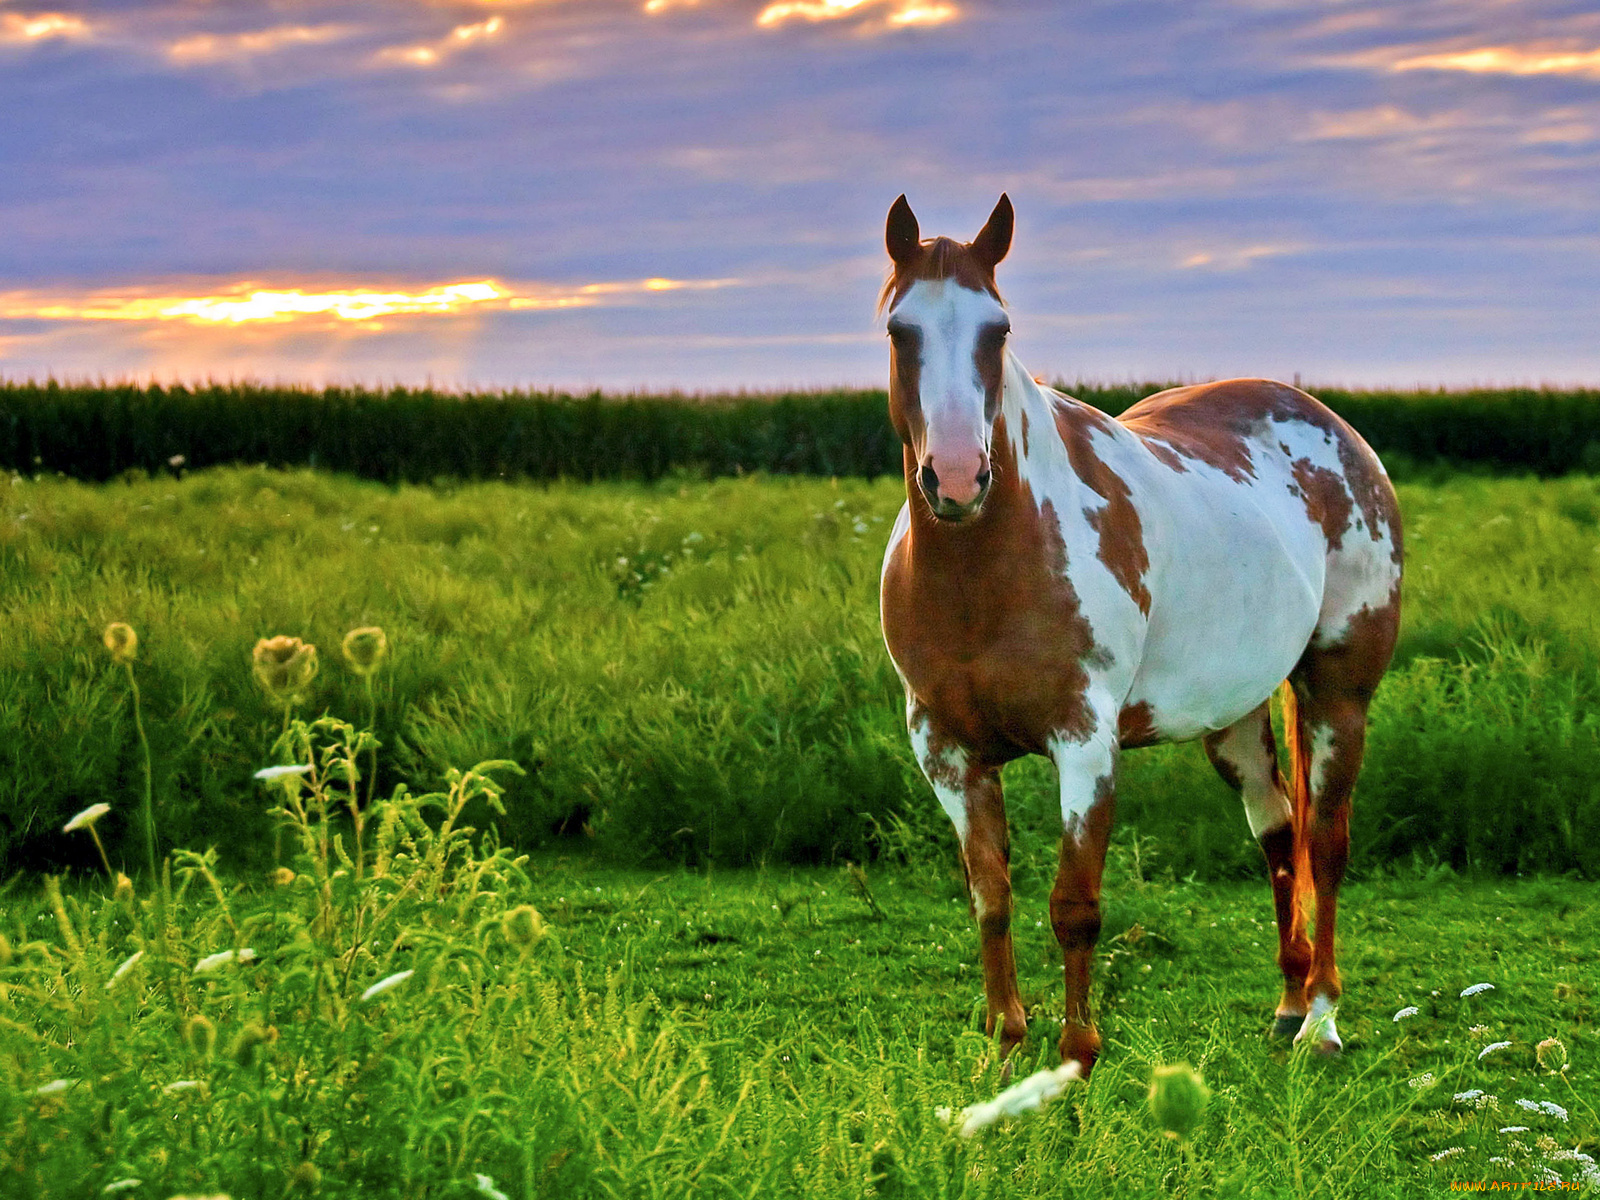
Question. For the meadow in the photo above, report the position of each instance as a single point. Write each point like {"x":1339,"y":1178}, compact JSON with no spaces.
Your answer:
{"x":691,"y":671}
{"x":693,"y":926}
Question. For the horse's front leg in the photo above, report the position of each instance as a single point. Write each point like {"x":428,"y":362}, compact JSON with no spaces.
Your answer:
{"x":1088,"y":801}
{"x":970,"y":794}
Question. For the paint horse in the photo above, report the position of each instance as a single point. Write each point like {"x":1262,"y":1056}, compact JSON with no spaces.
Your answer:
{"x":1066,"y":584}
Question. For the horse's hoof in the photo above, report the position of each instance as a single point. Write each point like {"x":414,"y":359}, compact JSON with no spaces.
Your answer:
{"x":1286,"y":1026}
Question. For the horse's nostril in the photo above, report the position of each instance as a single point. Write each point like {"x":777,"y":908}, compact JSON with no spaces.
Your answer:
{"x":929,"y":480}
{"x":983,"y":479}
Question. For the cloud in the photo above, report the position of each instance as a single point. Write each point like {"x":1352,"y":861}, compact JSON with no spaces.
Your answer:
{"x":242,"y":303}
{"x":232,"y":47}
{"x":889,"y":14}
{"x":431,"y":54}
{"x":18,"y":29}
{"x":1507,"y":60}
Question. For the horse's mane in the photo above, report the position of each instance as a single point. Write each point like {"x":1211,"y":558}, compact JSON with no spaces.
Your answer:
{"x":942,"y":258}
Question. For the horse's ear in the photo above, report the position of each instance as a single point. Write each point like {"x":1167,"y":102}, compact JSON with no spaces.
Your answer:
{"x":901,"y":235}
{"x":994,"y":239}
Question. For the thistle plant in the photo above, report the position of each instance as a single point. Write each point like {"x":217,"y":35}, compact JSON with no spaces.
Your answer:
{"x":364,"y":650}
{"x":1178,"y":1099}
{"x":284,"y":667}
{"x":123,"y":644}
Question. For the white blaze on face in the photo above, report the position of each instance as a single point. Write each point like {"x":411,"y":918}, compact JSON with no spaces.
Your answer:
{"x":950,"y":320}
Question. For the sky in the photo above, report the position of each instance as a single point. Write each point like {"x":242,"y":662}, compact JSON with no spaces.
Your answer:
{"x":690,"y":194}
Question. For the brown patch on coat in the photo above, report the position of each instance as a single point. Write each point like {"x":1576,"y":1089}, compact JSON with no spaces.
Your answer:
{"x":1352,"y":667}
{"x":1117,"y":524}
{"x":1326,"y":499}
{"x":1135,"y":726}
{"x":986,"y":627}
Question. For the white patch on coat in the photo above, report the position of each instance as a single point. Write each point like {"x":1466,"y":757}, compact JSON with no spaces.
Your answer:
{"x":1319,"y":1022}
{"x":1321,"y":756}
{"x":937,"y":766}
{"x":1265,"y":805}
{"x":1084,"y":766}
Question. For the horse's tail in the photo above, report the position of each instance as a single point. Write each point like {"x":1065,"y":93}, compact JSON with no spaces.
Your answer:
{"x":1294,"y":738}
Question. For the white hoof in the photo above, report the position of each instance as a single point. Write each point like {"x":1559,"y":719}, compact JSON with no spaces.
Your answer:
{"x":1319,"y":1027}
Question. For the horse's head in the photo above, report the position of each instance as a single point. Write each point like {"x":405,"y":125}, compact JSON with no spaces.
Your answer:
{"x":947,"y":331}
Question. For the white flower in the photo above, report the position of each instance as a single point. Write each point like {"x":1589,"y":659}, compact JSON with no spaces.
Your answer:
{"x":1034,"y":1092}
{"x":1515,"y":1129}
{"x":1475,"y":989}
{"x":1409,"y":1010}
{"x":55,"y":1087}
{"x":487,"y":1187}
{"x":1492,"y":1047}
{"x":222,"y":958}
{"x":1463,"y":1097}
{"x":87,"y":818}
{"x":270,"y":773}
{"x":1552,"y":1109}
{"x":1421,"y":1081}
{"x":119,"y":1186}
{"x":1450,"y":1152}
{"x":945,"y":1114}
{"x":385,"y":984}
{"x":127,"y":965}
{"x":181,"y":1085}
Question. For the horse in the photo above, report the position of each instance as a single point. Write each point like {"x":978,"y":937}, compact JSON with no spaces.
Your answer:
{"x":1065,"y":584}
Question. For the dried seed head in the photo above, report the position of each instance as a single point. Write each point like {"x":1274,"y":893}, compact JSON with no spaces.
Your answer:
{"x":200,"y":1035}
{"x":305,"y":1176}
{"x":282,"y":877}
{"x":365,"y":649}
{"x":5,"y":951}
{"x":122,"y":641}
{"x":523,"y":925}
{"x":123,"y":891}
{"x":243,"y":1049}
{"x":1552,"y":1054}
{"x":284,"y":665}
{"x":1178,"y":1099}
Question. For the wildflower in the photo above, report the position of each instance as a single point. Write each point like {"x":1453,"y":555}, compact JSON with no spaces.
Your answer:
{"x":122,"y":641}
{"x":282,"y":877}
{"x":268,"y":774}
{"x":117,"y":1186}
{"x":181,"y":1085}
{"x":305,"y":1176}
{"x":1409,"y":1010}
{"x":1480,"y":1032}
{"x":388,"y":983}
{"x":365,"y":649}
{"x":1486,"y":1102}
{"x":1491,"y":1048}
{"x":200,"y":1035}
{"x":176,"y":461}
{"x":1421,"y":1081}
{"x":1552,"y":1055}
{"x":283,"y":665}
{"x":523,"y":925}
{"x":1448,"y":1152}
{"x":1475,"y":989}
{"x":222,"y":958}
{"x":486,"y":1187}
{"x":1551,"y":1109}
{"x":1032,"y":1093}
{"x":86,"y":818}
{"x":1178,"y":1099}
{"x":122,"y":892}
{"x":56,"y":1086}
{"x":127,"y":965}
{"x":1463,"y":1097}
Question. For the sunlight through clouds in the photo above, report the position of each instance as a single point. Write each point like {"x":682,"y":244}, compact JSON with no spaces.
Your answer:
{"x":429,"y":54}
{"x":245,"y":303}
{"x":1508,"y":60}
{"x":19,"y":29}
{"x":901,"y":12}
{"x":213,"y":47}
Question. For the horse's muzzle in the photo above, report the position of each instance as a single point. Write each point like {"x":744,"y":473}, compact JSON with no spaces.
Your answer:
{"x":943,"y":507}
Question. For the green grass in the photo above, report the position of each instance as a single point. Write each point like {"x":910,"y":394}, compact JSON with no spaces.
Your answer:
{"x":692,"y":672}
{"x":786,"y":1032}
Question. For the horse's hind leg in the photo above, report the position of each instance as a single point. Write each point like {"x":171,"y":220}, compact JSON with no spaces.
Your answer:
{"x":1246,"y":757}
{"x":1334,"y":683}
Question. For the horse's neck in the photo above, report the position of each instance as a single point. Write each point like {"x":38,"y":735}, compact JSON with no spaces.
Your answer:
{"x":1033,"y":416}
